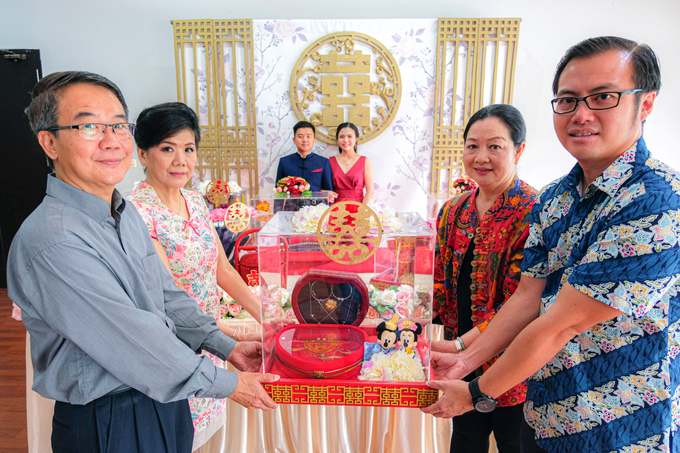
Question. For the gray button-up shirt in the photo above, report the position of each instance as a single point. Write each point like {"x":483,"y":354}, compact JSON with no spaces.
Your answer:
{"x":103,"y":311}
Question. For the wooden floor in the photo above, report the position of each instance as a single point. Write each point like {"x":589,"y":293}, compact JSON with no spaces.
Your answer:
{"x":12,"y":380}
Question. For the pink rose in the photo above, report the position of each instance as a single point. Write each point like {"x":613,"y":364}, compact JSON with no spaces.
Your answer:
{"x":234,"y":309}
{"x":290,"y":313}
{"x":372,"y":313}
{"x":276,"y":311}
{"x":217,"y":215}
{"x":16,"y":312}
{"x":285,"y":29}
{"x":418,"y":312}
{"x":402,"y":309}
{"x":223,"y":310}
{"x":387,"y":314}
{"x":404,"y":296}
{"x":407,"y":46}
{"x":276,"y":296}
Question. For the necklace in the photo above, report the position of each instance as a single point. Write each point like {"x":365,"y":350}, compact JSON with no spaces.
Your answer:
{"x":177,"y":211}
{"x":348,"y":162}
{"x":329,"y":302}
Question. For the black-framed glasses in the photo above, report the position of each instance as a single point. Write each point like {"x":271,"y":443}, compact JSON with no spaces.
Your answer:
{"x":96,"y":131}
{"x":597,"y":101}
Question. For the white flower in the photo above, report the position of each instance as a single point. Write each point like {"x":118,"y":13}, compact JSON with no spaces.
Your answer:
{"x":202,"y":186}
{"x":233,"y":187}
{"x":407,"y":288}
{"x":388,"y":298}
{"x":306,"y":220}
{"x":398,"y":366}
{"x":386,"y":216}
{"x":285,"y":296}
{"x":420,"y":289}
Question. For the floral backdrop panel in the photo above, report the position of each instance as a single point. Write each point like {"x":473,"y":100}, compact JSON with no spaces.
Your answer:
{"x":402,"y":154}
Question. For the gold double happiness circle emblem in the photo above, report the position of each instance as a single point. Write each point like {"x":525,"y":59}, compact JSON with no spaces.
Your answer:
{"x":217,"y":192}
{"x":347,"y":237}
{"x":237,"y":217}
{"x":346,"y":69}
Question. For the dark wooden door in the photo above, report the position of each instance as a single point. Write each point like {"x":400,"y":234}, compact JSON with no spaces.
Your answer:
{"x":23,"y":166}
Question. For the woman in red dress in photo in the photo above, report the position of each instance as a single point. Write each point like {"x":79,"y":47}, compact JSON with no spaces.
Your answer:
{"x":352,"y":173}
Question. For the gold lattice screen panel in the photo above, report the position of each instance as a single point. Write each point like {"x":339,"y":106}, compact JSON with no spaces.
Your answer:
{"x":475,"y":67}
{"x":215,"y":77}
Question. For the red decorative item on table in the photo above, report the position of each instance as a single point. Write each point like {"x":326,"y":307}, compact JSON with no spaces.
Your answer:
{"x":292,"y":185}
{"x":463,"y":184}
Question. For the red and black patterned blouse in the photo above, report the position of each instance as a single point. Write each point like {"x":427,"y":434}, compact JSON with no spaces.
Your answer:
{"x":498,"y":251}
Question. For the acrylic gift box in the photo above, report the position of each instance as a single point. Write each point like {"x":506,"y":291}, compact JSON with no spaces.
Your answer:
{"x":315,"y":335}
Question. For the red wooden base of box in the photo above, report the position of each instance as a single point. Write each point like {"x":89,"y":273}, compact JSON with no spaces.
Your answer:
{"x":351,"y":393}
{"x":345,"y":392}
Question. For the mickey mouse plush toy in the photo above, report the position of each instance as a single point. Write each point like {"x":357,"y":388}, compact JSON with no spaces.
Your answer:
{"x":386,"y":341}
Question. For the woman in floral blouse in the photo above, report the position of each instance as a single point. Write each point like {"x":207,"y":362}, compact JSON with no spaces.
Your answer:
{"x":480,"y":241}
{"x":167,"y":137}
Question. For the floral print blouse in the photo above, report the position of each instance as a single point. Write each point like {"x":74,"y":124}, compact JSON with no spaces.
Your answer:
{"x":192,"y":252}
{"x":499,"y":237}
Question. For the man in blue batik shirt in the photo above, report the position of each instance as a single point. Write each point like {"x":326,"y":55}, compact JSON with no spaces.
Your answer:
{"x":315,"y":169}
{"x":595,"y":318}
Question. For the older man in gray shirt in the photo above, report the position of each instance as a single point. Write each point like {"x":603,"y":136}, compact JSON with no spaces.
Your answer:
{"x":113,"y":341}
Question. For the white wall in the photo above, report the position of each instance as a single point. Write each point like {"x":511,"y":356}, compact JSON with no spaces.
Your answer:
{"x":131,"y":43}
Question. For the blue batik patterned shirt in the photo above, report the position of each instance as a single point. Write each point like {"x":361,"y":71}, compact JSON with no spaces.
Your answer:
{"x":614,"y":387}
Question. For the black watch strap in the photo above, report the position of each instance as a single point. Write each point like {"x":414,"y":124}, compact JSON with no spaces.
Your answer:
{"x":482,"y":403}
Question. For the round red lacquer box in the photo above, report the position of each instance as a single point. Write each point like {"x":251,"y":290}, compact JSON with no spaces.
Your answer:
{"x":320,"y":351}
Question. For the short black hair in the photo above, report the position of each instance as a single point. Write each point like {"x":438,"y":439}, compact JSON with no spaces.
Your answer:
{"x":509,"y":115}
{"x":302,"y":125}
{"x":43,"y":111}
{"x":646,"y":70}
{"x":344,"y":126}
{"x":161,"y":121}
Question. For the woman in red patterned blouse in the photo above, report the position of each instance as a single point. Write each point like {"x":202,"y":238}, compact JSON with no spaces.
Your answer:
{"x":481,"y":235}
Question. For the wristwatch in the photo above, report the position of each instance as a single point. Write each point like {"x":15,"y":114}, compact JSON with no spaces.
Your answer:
{"x":482,"y":403}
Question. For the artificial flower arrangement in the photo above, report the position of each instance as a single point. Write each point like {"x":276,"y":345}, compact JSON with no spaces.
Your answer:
{"x":292,"y":185}
{"x":394,"y":356}
{"x":229,"y":309}
{"x":276,"y":303}
{"x":463,"y":184}
{"x":387,"y":216}
{"x":306,"y":220}
{"x":402,"y":300}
